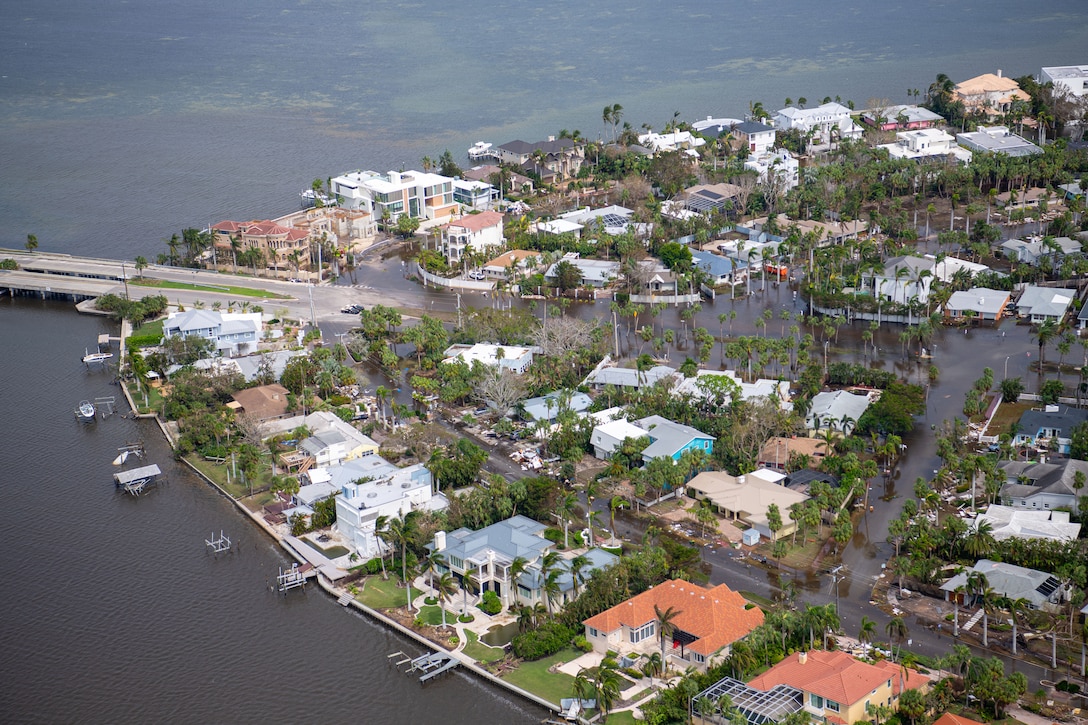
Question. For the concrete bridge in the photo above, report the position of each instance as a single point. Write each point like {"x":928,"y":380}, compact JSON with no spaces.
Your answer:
{"x":61,"y":276}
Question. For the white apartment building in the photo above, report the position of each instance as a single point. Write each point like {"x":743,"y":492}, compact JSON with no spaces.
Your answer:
{"x":420,"y":195}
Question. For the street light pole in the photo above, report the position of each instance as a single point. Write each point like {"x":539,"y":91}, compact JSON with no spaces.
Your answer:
{"x":1006,"y":367}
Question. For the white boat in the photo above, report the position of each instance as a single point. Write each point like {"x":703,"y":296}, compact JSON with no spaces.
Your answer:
{"x":85,"y":412}
{"x":482,"y":150}
{"x":121,"y":458}
{"x":96,"y":357}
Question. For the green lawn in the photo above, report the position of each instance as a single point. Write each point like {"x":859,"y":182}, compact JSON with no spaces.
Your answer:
{"x":621,"y":718}
{"x":384,"y":594}
{"x":153,"y":401}
{"x":479,"y":651}
{"x":225,"y":289}
{"x":432,"y":614}
{"x":534,"y":677}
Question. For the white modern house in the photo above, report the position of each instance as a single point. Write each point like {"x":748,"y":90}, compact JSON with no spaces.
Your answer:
{"x":824,"y":121}
{"x":369,"y":487}
{"x":776,"y":164}
{"x":419,"y":194}
{"x":926,"y":143}
{"x":1073,"y":78}
{"x":234,"y":333}
{"x":506,"y":357}
{"x":997,"y":139}
{"x":478,"y":195}
{"x":477,"y":233}
{"x":673,"y":141}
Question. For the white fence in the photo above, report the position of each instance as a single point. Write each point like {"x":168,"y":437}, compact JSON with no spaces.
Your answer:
{"x":472,"y":284}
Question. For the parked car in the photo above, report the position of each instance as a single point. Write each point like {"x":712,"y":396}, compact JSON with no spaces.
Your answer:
{"x":476,"y":275}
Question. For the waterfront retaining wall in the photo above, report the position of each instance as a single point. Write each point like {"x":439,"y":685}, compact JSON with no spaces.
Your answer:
{"x":468,"y":284}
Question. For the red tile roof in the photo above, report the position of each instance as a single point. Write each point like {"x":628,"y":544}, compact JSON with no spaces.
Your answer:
{"x":836,"y":676}
{"x":476,"y":222}
{"x":717,"y":617}
{"x":228,"y":226}
{"x":950,"y":719}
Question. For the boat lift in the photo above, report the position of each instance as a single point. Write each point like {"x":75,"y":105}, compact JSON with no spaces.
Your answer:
{"x":431,"y":665}
{"x":134,"y":481}
{"x":219,"y":545}
{"x":292,"y":578}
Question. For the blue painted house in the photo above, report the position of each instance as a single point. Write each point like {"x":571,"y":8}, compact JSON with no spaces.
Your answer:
{"x":672,"y":439}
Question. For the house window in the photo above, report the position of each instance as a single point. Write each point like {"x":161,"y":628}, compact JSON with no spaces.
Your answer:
{"x":832,"y":706}
{"x":644,"y":632}
{"x":457,"y":563}
{"x":868,"y":706}
{"x":592,"y":632}
{"x":816,"y":701}
{"x":698,"y":658}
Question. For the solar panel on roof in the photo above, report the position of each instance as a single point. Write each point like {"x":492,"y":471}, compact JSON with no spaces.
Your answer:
{"x":711,"y":195}
{"x":1048,"y":587}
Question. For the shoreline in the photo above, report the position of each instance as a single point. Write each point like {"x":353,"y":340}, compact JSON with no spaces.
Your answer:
{"x":327,"y":585}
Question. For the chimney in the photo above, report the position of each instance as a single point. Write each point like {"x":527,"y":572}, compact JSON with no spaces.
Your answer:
{"x":998,"y":72}
{"x":551,"y":138}
{"x":440,"y":541}
{"x":802,"y":658}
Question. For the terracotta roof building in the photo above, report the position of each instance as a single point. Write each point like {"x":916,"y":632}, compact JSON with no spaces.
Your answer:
{"x":707,"y":622}
{"x":839,"y":688}
{"x":989,"y":94}
{"x":263,"y":402}
{"x":950,"y":719}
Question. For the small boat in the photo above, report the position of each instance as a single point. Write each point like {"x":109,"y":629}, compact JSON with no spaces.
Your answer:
{"x":85,"y":412}
{"x":97,"y":357}
{"x":121,"y":458}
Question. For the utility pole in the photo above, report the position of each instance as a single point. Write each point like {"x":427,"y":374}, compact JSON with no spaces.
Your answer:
{"x":459,"y":310}
{"x":124,"y":278}
{"x":837,"y":575}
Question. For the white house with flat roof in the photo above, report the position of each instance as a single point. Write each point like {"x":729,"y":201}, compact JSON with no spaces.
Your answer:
{"x":775,"y":164}
{"x":1073,"y":78}
{"x":419,"y":194}
{"x":997,"y":139}
{"x":370,"y":487}
{"x":506,"y":357}
{"x":926,"y":143}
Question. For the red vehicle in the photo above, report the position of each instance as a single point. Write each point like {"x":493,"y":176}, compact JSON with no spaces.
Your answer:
{"x":779,"y":269}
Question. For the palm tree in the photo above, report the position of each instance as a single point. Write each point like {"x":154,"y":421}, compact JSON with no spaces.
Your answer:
{"x":141,"y":265}
{"x":432,"y":563}
{"x":665,"y":625}
{"x":381,"y":530}
{"x":31,"y":242}
{"x":1043,"y":334}
{"x":402,"y":531}
{"x":577,"y":567}
{"x":868,"y":628}
{"x":896,"y":629}
{"x":444,"y":587}
{"x":616,"y":503}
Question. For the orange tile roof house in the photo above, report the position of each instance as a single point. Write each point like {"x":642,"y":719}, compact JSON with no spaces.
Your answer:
{"x":950,"y":719}
{"x":990,"y":94}
{"x":839,"y":688}
{"x":707,"y":623}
